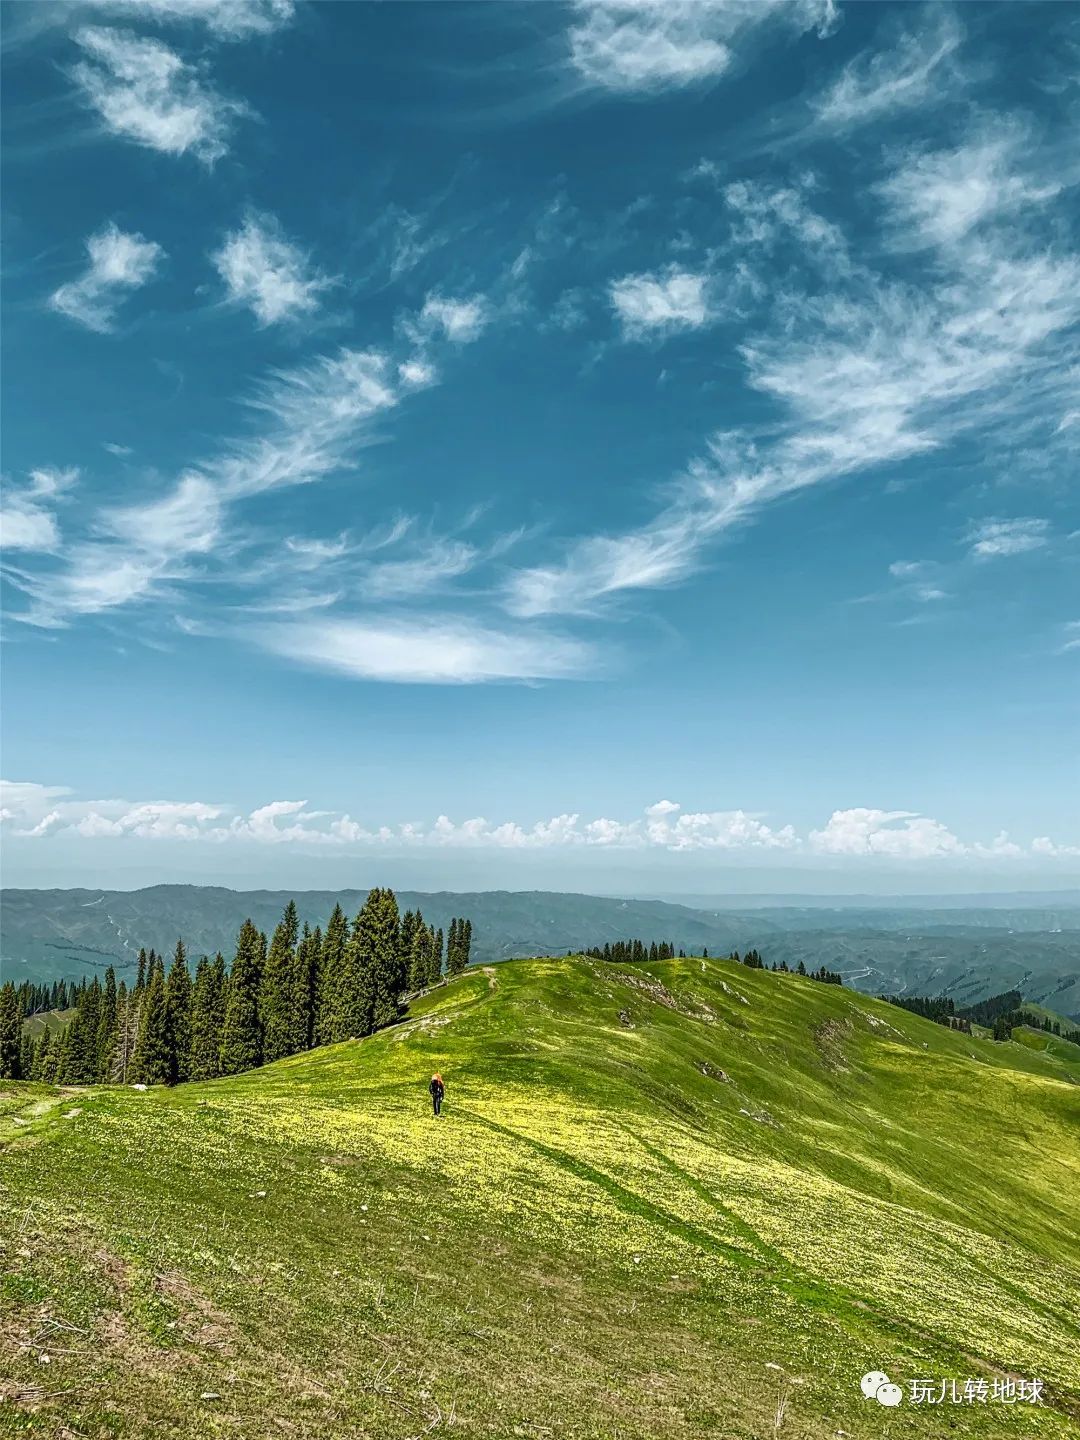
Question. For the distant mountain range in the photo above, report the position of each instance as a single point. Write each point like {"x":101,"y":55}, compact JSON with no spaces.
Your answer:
{"x":966,"y":951}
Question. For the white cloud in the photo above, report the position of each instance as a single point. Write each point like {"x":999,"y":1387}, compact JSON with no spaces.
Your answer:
{"x":434,"y":563}
{"x":763,"y":214}
{"x":433,"y":650}
{"x":910,"y":71}
{"x":27,"y":521}
{"x":457,"y":320}
{"x":416,"y":373}
{"x":898,"y":834}
{"x":866,"y":371}
{"x":938,"y":197}
{"x":145,"y":92}
{"x":601,"y":567}
{"x":650,"y":45}
{"x":317,"y":412}
{"x":993,"y":539}
{"x":186,"y":521}
{"x":119,"y":263}
{"x":658,"y":304}
{"x":225,"y":19}
{"x":267,"y":273}
{"x":37,"y":812}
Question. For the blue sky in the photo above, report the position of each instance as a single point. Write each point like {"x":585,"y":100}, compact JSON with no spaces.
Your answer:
{"x":621,"y":445}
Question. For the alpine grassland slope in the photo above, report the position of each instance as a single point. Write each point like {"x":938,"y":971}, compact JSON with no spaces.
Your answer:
{"x":686,"y":1199}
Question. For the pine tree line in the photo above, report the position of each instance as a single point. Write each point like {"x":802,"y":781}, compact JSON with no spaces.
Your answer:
{"x":1000,"y":1013}
{"x":279,"y":997}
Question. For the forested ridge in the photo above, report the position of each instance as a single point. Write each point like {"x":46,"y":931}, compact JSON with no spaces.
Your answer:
{"x":1000,"y":1013}
{"x":297,"y":990}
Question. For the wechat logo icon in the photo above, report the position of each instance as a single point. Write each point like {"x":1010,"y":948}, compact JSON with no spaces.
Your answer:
{"x":876,"y":1385}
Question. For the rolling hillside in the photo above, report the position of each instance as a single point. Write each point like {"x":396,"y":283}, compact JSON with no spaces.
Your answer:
{"x":965,"y":952}
{"x":663,"y":1202}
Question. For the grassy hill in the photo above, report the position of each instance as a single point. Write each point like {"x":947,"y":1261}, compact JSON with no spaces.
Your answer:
{"x":663,"y":1202}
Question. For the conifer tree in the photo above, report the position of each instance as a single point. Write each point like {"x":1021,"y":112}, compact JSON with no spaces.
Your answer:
{"x":106,"y":1030}
{"x":387,"y":968}
{"x":435,"y":956}
{"x":79,"y":1066}
{"x":466,"y":941}
{"x":27,"y":1051}
{"x":410,"y":922}
{"x":423,"y":943}
{"x":140,"y":977}
{"x":10,"y":1025}
{"x":300,"y":980}
{"x":354,"y":1001}
{"x":331,"y":978}
{"x":178,"y":1016}
{"x":152,"y":1062}
{"x":276,"y":990}
{"x":44,"y":1065}
{"x":207,"y":1018}
{"x":241,"y":1041}
{"x":128,"y":1015}
{"x":315,"y":985}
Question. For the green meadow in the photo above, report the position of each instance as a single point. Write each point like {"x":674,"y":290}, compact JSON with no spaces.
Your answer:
{"x":686,"y":1199}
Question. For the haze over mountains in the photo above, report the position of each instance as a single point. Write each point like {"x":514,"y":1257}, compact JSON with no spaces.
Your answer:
{"x":952,"y":946}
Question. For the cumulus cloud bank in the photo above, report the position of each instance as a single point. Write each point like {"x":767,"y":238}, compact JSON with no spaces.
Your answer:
{"x":34,"y":811}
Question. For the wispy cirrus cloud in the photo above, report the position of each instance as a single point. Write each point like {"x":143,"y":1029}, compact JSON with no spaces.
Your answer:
{"x":912,"y":69}
{"x":648,"y":306}
{"x":120,"y":262}
{"x":459,"y":320}
{"x":27,"y":513}
{"x":436,"y":649}
{"x":995,"y":539}
{"x":267,"y":273}
{"x":40,"y":812}
{"x":145,"y":92}
{"x":939,"y":196}
{"x":643,"y":46}
{"x":868,"y":371}
{"x":308,"y":421}
{"x":224,"y":19}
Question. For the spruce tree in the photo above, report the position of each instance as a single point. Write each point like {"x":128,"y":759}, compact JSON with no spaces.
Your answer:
{"x":420,"y":957}
{"x":10,"y":1025}
{"x":140,"y":977}
{"x":387,"y":971}
{"x":44,"y":1064}
{"x":152,"y":1062}
{"x":455,"y":948}
{"x":331,"y":978}
{"x":128,"y":1012}
{"x":300,"y":995}
{"x":315,"y":985}
{"x":107,"y":1027}
{"x":410,"y":922}
{"x":241,"y":1041}
{"x":27,"y":1051}
{"x":435,"y":956}
{"x":466,"y":942}
{"x":276,"y":990}
{"x":207,"y":1018}
{"x":178,"y":1016}
{"x":80,"y":1051}
{"x":354,"y":995}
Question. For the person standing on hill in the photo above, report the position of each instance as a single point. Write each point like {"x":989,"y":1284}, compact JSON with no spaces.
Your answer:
{"x":437,"y":1090}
